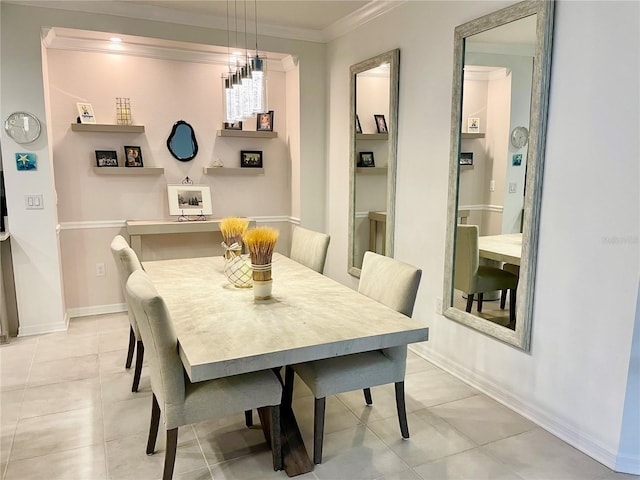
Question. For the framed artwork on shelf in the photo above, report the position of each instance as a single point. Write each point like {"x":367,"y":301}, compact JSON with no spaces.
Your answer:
{"x":233,"y":126}
{"x":366,"y":159}
{"x":85,"y":113}
{"x":265,"y":122}
{"x":466,"y":158}
{"x":106,"y":158}
{"x":358,"y":127}
{"x":381,"y":124}
{"x":473,"y":125}
{"x":251,"y":159}
{"x":133,"y":156}
{"x":189,"y":199}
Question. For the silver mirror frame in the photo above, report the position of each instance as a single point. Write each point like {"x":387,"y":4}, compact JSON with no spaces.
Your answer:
{"x":521,"y":337}
{"x":393,"y":58}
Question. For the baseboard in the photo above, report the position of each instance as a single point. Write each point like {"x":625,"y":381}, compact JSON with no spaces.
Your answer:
{"x":40,"y":328}
{"x":544,"y":419}
{"x":96,"y":310}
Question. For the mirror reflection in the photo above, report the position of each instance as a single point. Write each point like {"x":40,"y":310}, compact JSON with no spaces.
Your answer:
{"x":374,"y":87}
{"x":182,"y":142}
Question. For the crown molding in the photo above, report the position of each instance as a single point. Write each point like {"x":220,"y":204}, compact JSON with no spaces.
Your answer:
{"x":359,"y":17}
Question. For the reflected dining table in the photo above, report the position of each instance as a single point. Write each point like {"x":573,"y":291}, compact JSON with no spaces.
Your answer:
{"x":222,"y":330}
{"x":505,"y":248}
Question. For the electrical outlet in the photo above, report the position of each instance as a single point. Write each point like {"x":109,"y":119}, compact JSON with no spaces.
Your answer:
{"x":438,"y":305}
{"x":492,"y":186}
{"x":100,"y":270}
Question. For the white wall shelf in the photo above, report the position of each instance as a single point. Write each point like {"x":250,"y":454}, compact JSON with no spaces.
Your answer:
{"x":104,"y":128}
{"x":371,"y":170}
{"x":246,"y":134}
{"x":128,"y":170}
{"x":233,"y":171}
{"x":469,"y":136}
{"x":372,"y":136}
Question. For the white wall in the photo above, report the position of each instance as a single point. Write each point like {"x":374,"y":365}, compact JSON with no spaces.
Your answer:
{"x":573,"y":381}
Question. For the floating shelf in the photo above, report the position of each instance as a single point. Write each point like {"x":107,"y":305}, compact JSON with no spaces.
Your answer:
{"x":233,"y":171}
{"x":371,"y":170}
{"x":129,"y":170}
{"x":470,"y":136}
{"x":372,"y":136}
{"x":246,"y":134}
{"x":100,"y":127}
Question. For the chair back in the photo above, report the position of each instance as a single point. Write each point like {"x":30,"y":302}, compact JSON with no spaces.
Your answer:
{"x":159,"y":338}
{"x":390,"y":282}
{"x":126,"y":262}
{"x":465,"y":266}
{"x":309,"y":248}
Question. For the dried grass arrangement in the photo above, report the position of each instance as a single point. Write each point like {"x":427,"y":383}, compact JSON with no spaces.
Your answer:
{"x":260,"y":242}
{"x":232,"y":229}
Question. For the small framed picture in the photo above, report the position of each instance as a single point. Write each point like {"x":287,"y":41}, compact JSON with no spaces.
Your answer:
{"x":133,"y":156}
{"x":381,"y":124}
{"x":265,"y":122}
{"x":106,"y":158}
{"x":251,"y":159}
{"x":358,"y":127}
{"x":26,"y":161}
{"x":85,"y":113}
{"x":233,"y":126}
{"x":189,"y":199}
{"x":466,"y":158}
{"x":366,"y":160}
{"x":473,"y":125}
{"x":517,"y":160}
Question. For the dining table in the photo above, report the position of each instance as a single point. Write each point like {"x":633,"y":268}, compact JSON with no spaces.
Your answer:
{"x":505,"y":248}
{"x":223,"y":330}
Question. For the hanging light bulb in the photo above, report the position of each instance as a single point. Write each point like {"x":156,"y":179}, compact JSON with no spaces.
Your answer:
{"x":258,"y":75}
{"x":228,"y":102}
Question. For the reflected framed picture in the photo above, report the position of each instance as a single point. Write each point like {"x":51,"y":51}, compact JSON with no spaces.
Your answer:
{"x":473,"y":125}
{"x":187,"y":199}
{"x":358,"y":127}
{"x":466,"y":158}
{"x":133,"y":156}
{"x":381,"y":124}
{"x":85,"y":113}
{"x":233,"y":126}
{"x":265,"y":122}
{"x":251,"y":159}
{"x":366,"y":159}
{"x":106,"y":158}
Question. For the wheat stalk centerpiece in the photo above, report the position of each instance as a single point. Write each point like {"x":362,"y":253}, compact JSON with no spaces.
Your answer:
{"x":260,"y":242}
{"x":232,"y":229}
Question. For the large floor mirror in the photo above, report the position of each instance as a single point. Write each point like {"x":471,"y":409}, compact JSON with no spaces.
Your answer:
{"x":373,"y":145}
{"x":498,"y":127}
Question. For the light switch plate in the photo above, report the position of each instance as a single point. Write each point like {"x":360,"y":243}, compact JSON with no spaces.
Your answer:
{"x":513,"y":186}
{"x":34,"y":202}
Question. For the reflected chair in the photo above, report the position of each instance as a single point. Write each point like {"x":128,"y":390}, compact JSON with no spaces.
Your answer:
{"x":511,"y":268}
{"x":182,"y":402}
{"x":127,"y":262}
{"x":394,"y":284}
{"x":309,"y":248}
{"x":472,"y":278}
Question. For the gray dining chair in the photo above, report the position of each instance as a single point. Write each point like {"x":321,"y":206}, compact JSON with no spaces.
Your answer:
{"x":472,"y":278}
{"x":394,"y":284}
{"x":127,"y":262}
{"x":511,"y":268}
{"x":182,"y":402}
{"x":309,"y":248}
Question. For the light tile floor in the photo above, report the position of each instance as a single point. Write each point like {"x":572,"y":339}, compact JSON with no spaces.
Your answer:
{"x":67,"y":413}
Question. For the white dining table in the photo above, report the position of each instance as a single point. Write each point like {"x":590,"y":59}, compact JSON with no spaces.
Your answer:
{"x":222,"y":330}
{"x":501,"y":248}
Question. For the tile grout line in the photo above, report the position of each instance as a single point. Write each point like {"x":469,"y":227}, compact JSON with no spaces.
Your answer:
{"x":195,"y":434}
{"x":104,"y":437}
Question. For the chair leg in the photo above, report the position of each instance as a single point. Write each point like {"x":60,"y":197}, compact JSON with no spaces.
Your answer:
{"x":503,"y":299}
{"x":276,"y":443}
{"x":138,"y":370}
{"x":153,"y":428}
{"x":402,"y":410}
{"x":170,"y":453}
{"x":512,"y":305}
{"x":480,"y":299}
{"x":318,"y":429}
{"x":367,"y":396}
{"x":469,"y":302}
{"x":248,"y":418}
{"x":132,"y":344}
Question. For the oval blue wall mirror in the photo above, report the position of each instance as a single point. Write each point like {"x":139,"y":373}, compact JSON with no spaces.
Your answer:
{"x":182,"y":142}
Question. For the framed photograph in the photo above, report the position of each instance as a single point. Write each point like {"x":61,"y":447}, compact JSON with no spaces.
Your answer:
{"x":473,"y":125}
{"x":366,"y":159}
{"x":265,"y":122}
{"x":233,"y":126}
{"x":106,"y":158}
{"x":358,"y":127}
{"x":85,"y":113}
{"x":381,"y":124}
{"x":133,"y":156}
{"x":187,"y":199}
{"x":466,"y":158}
{"x":251,"y":159}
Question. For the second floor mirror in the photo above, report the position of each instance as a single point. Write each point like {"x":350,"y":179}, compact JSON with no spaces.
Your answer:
{"x":373,"y":146}
{"x":499,"y":110}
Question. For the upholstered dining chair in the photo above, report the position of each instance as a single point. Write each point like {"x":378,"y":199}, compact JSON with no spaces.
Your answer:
{"x":394,"y":284}
{"x":182,"y":402}
{"x":127,"y":262}
{"x":309,"y":248}
{"x":472,"y":278}
{"x":511,"y":268}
